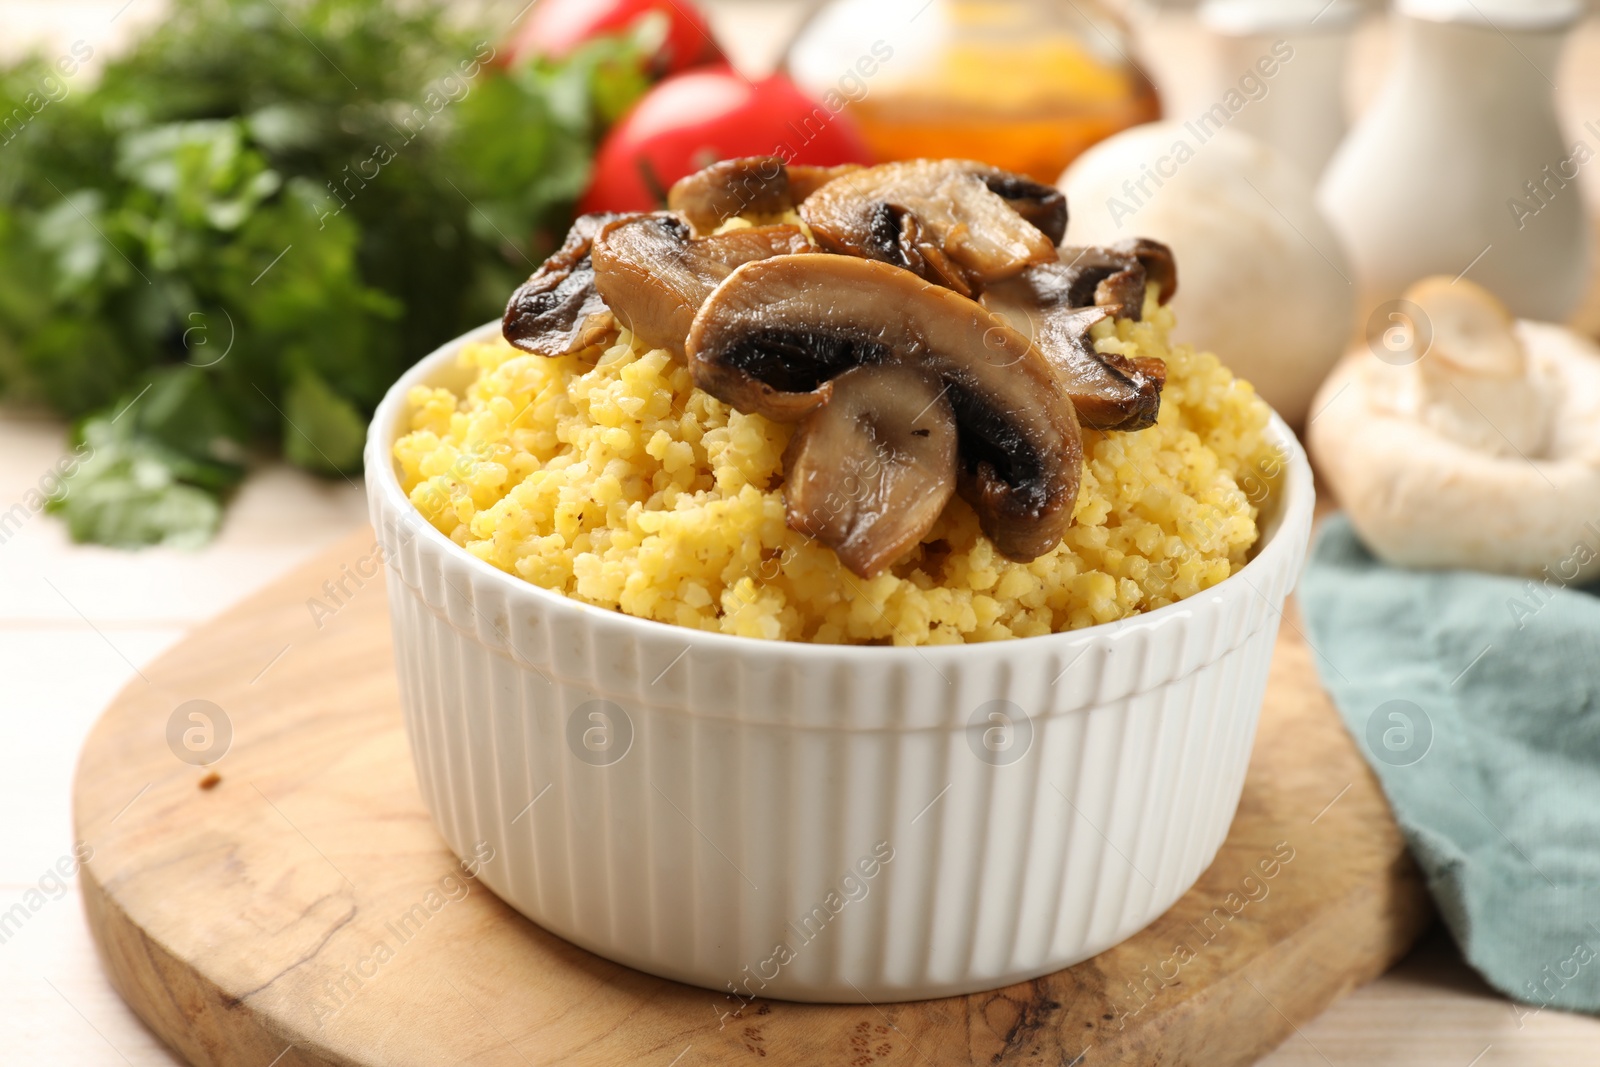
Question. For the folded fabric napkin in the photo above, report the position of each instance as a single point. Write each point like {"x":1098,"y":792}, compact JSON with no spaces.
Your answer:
{"x":1476,"y":699}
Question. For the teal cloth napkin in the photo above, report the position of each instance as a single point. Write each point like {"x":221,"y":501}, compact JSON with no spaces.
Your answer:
{"x":1476,"y":699}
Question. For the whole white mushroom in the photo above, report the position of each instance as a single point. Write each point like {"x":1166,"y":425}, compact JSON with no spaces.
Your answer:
{"x":1263,"y":281}
{"x":1474,"y":444}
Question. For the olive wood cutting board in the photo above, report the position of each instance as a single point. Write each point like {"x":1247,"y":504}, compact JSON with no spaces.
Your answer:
{"x":242,"y":918}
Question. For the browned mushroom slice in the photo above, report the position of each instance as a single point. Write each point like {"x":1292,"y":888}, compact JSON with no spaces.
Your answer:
{"x":1158,"y":262}
{"x":774,"y":332}
{"x":1058,"y":303}
{"x":1093,"y":277}
{"x":1044,"y":206}
{"x":1109,"y":391}
{"x":805,"y":180}
{"x":753,"y":185}
{"x":654,"y":275}
{"x":866,"y":213}
{"x":757,"y":185}
{"x":738,"y":247}
{"x":1152,"y":367}
{"x":557,"y":310}
{"x":918,"y":253}
{"x":870,"y":471}
{"x":1047,"y":303}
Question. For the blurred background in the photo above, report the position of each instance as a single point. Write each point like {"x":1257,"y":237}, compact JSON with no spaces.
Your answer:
{"x":225,"y":228}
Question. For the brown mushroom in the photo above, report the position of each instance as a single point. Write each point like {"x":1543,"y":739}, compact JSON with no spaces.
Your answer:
{"x":870,"y":471}
{"x":1109,"y":391}
{"x":752,"y":185}
{"x":1043,"y":206}
{"x":654,"y":274}
{"x":771,"y":335}
{"x":557,"y":311}
{"x":1158,"y":262}
{"x":756,"y":185}
{"x":1097,"y":277}
{"x":925,"y":214}
{"x":805,"y":180}
{"x":1057,"y":304}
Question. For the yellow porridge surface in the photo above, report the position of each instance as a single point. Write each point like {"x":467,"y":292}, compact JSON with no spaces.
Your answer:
{"x":607,"y":476}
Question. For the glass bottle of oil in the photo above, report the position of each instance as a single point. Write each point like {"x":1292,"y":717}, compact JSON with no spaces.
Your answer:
{"x":1025,"y":85}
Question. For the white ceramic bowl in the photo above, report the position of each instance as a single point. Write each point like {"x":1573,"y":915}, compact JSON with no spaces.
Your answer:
{"x":815,"y":822}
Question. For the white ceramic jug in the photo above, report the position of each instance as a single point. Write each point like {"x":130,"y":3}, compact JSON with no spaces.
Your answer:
{"x":1460,"y":163}
{"x":1300,"y":111}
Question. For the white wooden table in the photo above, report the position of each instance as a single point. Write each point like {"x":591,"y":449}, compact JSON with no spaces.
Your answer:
{"x":77,"y":622}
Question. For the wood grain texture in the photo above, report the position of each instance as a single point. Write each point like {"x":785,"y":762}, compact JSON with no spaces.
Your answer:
{"x":303,"y":910}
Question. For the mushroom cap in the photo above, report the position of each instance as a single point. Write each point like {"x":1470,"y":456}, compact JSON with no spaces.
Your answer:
{"x":1160,"y":266}
{"x":775,"y":331}
{"x":1109,"y":391}
{"x":871,"y":470}
{"x":749,"y":185}
{"x":1043,"y":206}
{"x":1057,"y":304}
{"x":893,"y":211}
{"x":805,"y":179}
{"x":1470,"y":382}
{"x":1468,"y":327}
{"x":654,"y":274}
{"x":1266,"y":284}
{"x":558,"y":310}
{"x":1420,"y":498}
{"x":1085,"y":277}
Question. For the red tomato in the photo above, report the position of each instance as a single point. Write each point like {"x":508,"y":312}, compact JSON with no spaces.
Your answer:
{"x":556,"y":27}
{"x":692,"y":120}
